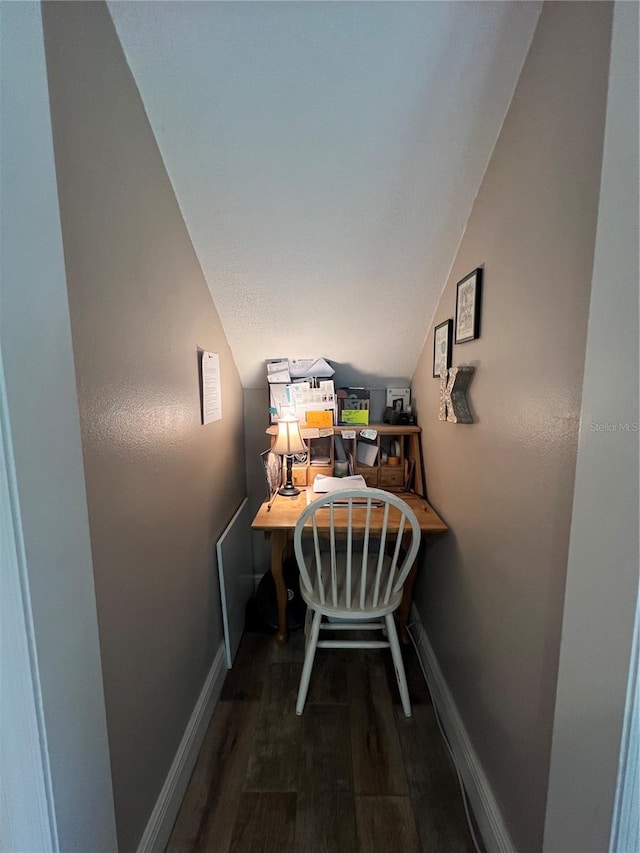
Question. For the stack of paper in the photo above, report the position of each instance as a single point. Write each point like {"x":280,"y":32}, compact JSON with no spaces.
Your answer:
{"x":298,"y":386}
{"x":278,"y":371}
{"x":305,"y":368}
{"x":305,"y":397}
{"x":288,"y":369}
{"x":336,"y":484}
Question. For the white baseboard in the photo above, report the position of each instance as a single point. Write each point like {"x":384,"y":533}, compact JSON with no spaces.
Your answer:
{"x":486,"y":812}
{"x":158,"y":829}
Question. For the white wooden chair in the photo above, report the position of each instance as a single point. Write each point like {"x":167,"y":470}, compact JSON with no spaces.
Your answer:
{"x":354,"y":571}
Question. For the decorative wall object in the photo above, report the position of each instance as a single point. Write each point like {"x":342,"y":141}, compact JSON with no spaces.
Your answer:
{"x":272,"y":471}
{"x":453,"y":401}
{"x":468,"y":304}
{"x":442,"y":346}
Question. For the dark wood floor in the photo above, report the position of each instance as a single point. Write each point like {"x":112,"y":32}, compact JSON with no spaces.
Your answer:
{"x":351,"y":774}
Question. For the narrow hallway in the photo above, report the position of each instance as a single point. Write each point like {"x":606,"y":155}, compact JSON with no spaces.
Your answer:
{"x":351,"y":774}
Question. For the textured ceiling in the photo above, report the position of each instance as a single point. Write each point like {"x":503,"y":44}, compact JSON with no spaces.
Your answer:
{"x":325,"y":157}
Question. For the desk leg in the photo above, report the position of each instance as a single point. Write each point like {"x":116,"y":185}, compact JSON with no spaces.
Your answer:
{"x":278,"y":548}
{"x":404,"y":611}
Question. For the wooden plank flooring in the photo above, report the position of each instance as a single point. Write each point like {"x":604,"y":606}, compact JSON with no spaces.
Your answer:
{"x":352,"y":775}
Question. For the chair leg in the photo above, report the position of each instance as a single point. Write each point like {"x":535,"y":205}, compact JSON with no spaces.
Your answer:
{"x":398,"y":665}
{"x":307,"y":625}
{"x":310,"y":653}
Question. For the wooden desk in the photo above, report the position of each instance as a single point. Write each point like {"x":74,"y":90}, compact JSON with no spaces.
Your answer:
{"x":280,"y":520}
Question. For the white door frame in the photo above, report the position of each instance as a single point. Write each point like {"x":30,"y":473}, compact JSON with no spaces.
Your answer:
{"x":53,"y":732}
{"x":27,"y":816}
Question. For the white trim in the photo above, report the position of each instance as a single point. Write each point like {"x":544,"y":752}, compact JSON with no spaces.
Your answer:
{"x":27,"y":814}
{"x":625,"y":829}
{"x":486,"y":812}
{"x":158,"y":829}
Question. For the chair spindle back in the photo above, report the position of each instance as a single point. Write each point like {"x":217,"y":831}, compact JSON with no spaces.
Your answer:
{"x":366,"y":571}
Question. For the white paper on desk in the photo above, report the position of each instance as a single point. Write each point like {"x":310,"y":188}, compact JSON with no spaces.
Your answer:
{"x":211,"y":392}
{"x":324,"y":484}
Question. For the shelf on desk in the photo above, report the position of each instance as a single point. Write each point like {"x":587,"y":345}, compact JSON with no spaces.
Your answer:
{"x":381,"y":474}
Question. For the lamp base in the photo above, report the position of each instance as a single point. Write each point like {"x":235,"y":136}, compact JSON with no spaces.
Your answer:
{"x":289,"y":491}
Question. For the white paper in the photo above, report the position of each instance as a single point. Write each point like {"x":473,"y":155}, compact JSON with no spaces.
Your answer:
{"x":327,"y":389}
{"x":336,"y":484}
{"x":305,"y":368}
{"x":278,"y":399}
{"x":211,"y":392}
{"x":303,"y":398}
{"x":298,"y":393}
{"x":278,"y":371}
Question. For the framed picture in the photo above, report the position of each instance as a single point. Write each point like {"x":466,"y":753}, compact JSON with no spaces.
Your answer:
{"x":272,"y":463}
{"x":468,"y":302}
{"x":442,"y":346}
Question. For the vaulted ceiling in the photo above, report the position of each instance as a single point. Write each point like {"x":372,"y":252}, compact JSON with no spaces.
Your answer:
{"x":326,"y":156}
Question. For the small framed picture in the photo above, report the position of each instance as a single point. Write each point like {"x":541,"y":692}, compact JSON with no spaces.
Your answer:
{"x":442,"y":346}
{"x":468,"y":303}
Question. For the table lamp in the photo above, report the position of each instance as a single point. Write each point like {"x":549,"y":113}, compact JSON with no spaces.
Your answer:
{"x":289,"y":441}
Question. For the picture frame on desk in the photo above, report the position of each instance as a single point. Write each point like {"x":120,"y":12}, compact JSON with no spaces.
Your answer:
{"x":442,"y":346}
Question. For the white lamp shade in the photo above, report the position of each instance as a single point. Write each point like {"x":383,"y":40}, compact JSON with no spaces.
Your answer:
{"x":289,"y":439}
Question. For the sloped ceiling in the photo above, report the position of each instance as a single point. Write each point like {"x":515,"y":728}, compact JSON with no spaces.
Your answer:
{"x":325,"y":156}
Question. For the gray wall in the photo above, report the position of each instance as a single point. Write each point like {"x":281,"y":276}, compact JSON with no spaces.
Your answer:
{"x":47,"y":511}
{"x":491,"y":593}
{"x":160,"y":487}
{"x":602,"y":575}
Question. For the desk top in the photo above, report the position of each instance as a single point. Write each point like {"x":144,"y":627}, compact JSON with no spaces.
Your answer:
{"x":284,"y":513}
